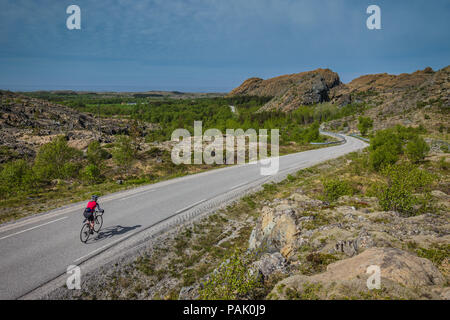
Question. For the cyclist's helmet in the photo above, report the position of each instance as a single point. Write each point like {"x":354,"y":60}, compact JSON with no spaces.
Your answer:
{"x":94,"y":198}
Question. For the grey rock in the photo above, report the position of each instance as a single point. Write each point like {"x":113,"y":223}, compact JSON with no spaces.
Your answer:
{"x":270,"y":263}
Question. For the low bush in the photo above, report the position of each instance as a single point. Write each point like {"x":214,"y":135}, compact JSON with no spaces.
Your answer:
{"x":232,"y":280}
{"x":403,"y":181}
{"x":417,"y":149}
{"x":96,"y":154}
{"x":312,"y":133}
{"x":383,"y":156}
{"x":443,"y":164}
{"x":91,"y":174}
{"x":15,"y":177}
{"x":386,"y":146}
{"x":333,"y":189}
{"x":364,"y":124}
{"x":124,"y":151}
{"x":56,"y":160}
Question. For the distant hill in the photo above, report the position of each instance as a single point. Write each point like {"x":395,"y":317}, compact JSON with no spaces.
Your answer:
{"x":144,"y":94}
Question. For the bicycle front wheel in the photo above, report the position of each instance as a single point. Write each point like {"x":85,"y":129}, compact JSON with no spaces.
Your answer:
{"x":98,"y":223}
{"x":85,"y":233}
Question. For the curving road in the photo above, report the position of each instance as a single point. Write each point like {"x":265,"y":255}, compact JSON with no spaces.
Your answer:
{"x":35,"y":250}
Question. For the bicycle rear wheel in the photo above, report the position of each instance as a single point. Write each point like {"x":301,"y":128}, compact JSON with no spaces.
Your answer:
{"x":98,"y":223}
{"x":85,"y":233}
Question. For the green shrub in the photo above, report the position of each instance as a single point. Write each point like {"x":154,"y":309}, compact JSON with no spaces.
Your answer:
{"x":364,"y":124}
{"x":70,"y":170}
{"x":56,"y":160}
{"x":5,"y":151}
{"x":403,"y":180}
{"x":16,"y":176}
{"x":92,"y":174}
{"x":333,"y":189}
{"x":383,"y":156}
{"x":443,"y":165}
{"x":417,"y":149}
{"x":384,"y":137}
{"x":387,"y":145}
{"x":397,"y":198}
{"x":123,"y":152}
{"x":312,"y":133}
{"x":95,"y":153}
{"x":408,"y":133}
{"x":232,"y":280}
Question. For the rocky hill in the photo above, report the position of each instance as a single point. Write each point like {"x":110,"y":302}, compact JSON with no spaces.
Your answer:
{"x":291,"y":91}
{"x":391,"y":99}
{"x":419,"y":98}
{"x":26,"y":123}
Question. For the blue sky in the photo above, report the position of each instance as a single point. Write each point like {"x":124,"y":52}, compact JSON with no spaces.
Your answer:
{"x":212,"y":45}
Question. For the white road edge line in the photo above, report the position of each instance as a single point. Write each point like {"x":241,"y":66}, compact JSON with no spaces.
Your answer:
{"x":189,"y":207}
{"x":22,"y":231}
{"x":239,"y":185}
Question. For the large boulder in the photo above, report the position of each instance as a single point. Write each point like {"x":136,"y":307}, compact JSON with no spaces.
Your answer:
{"x":403,"y":275}
{"x":269,"y":264}
{"x":275,"y":230}
{"x":278,"y":226}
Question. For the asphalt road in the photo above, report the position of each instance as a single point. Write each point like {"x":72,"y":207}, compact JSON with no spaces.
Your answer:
{"x":36,"y":250}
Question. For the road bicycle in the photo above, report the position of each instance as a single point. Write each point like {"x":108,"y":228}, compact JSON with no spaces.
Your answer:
{"x":86,"y":229}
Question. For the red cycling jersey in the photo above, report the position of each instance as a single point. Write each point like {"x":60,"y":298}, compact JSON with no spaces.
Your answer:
{"x":91,"y":205}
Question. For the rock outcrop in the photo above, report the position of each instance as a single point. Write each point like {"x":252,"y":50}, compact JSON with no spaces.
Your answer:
{"x":402,"y":275}
{"x":419,"y":98}
{"x":302,"y":237}
{"x":291,"y":91}
{"x":278,"y":226}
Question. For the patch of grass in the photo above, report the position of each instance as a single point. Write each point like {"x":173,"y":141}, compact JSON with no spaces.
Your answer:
{"x":316,"y":262}
{"x":270,"y":187}
{"x":376,"y":294}
{"x":320,"y":219}
{"x":436,"y":253}
{"x":309,"y":291}
{"x":249,"y":201}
